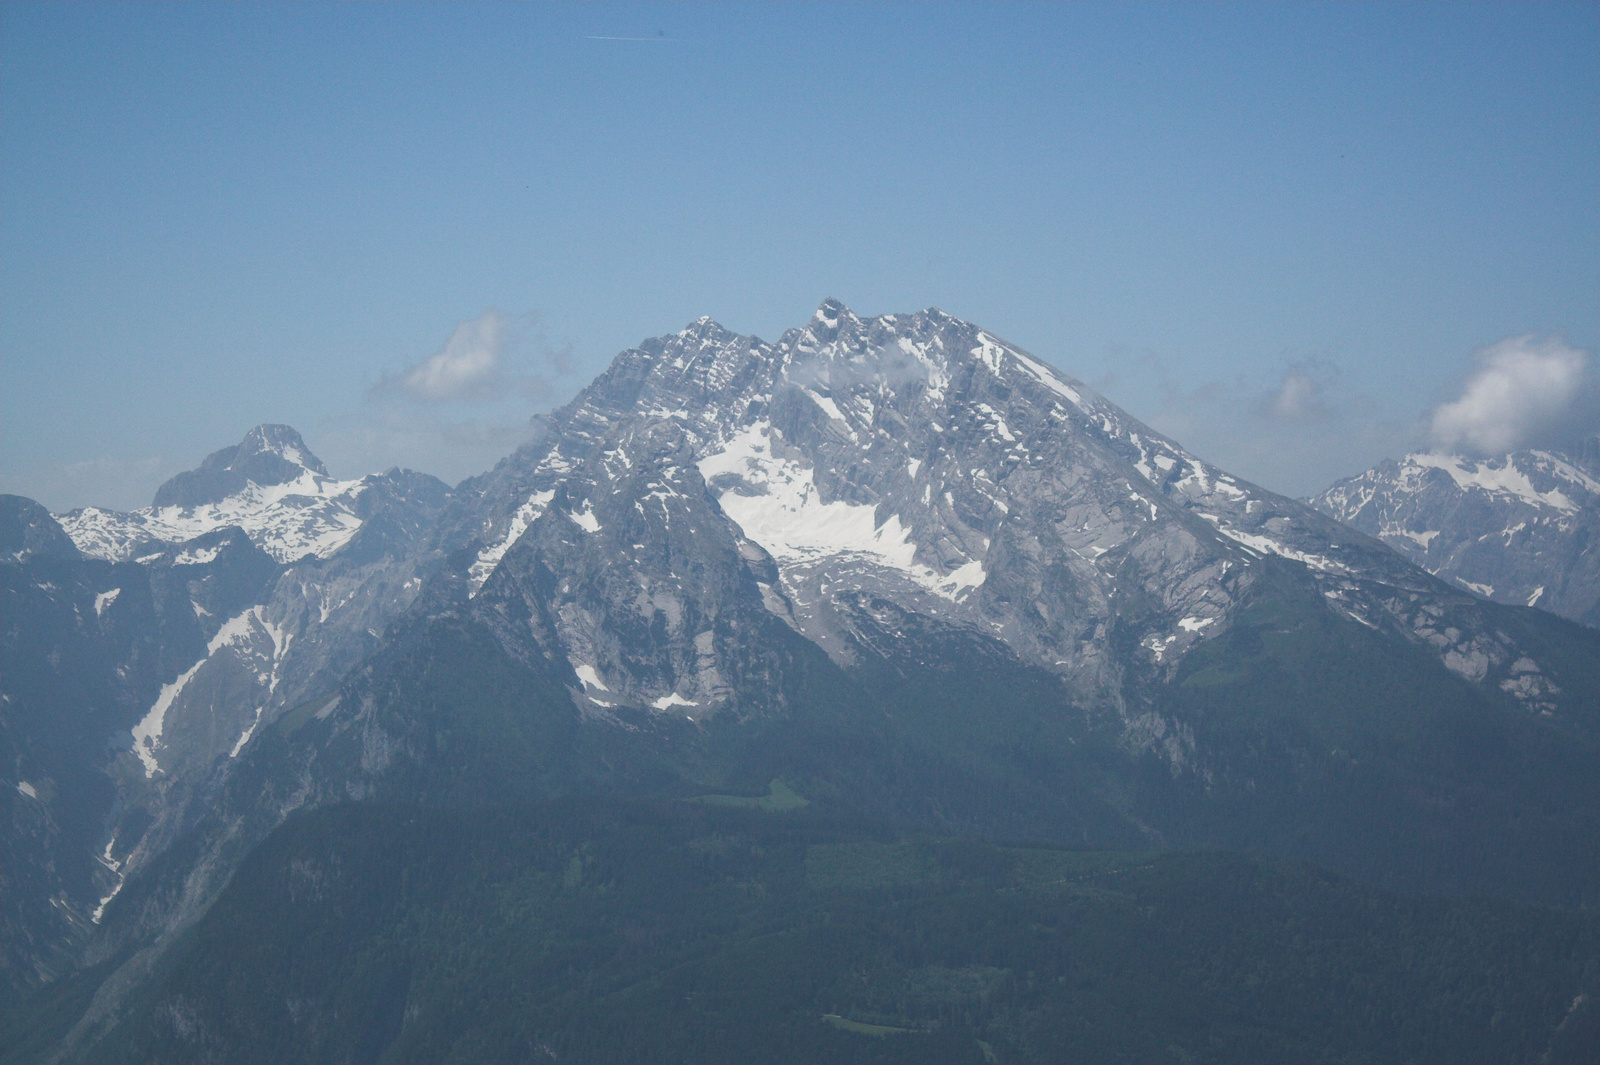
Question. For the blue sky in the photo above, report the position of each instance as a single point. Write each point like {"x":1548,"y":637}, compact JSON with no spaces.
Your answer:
{"x":1277,"y":232}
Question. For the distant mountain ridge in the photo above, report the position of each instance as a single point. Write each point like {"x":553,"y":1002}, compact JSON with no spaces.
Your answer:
{"x":1522,"y":527}
{"x":268,"y":455}
{"x":269,"y":484}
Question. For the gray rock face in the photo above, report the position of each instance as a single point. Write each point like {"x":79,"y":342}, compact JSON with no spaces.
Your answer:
{"x":1520,"y":528}
{"x":161,"y":654}
{"x":268,"y":455}
{"x":923,"y":461}
{"x":27,"y":531}
{"x":633,"y":578}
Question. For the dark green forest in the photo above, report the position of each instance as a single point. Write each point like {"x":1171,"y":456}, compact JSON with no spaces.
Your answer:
{"x":756,"y":930}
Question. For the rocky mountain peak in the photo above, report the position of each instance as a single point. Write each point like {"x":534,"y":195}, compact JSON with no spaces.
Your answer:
{"x":269,"y":455}
{"x":282,"y":441}
{"x":829,"y":318}
{"x":269,"y":484}
{"x":918,"y":459}
{"x":1515,"y":528}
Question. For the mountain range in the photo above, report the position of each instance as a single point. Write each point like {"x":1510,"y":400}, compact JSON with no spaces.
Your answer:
{"x":1522,"y":527}
{"x":890,"y":570}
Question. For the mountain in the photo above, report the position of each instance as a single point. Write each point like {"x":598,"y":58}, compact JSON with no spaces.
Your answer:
{"x":1522,"y":527}
{"x":924,"y":576}
{"x":28,"y":532}
{"x":920,"y":460}
{"x":86,"y":644}
{"x":134,"y":669}
{"x":893,"y":570}
{"x":269,"y":484}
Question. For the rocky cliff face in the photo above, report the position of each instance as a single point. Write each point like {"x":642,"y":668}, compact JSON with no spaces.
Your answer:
{"x":921,"y":460}
{"x":1520,"y":528}
{"x":87,"y":647}
{"x":142,"y":651}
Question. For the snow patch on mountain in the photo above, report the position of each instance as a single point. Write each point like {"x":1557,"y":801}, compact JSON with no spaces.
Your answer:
{"x":490,"y":556}
{"x":828,"y":406}
{"x":1504,"y":477}
{"x":776,"y":502}
{"x":1266,"y":545}
{"x":1044,"y":374}
{"x":147,"y":733}
{"x":110,"y":534}
{"x":1517,"y":528}
{"x":311,"y":515}
{"x":238,"y":632}
{"x":244,"y":737}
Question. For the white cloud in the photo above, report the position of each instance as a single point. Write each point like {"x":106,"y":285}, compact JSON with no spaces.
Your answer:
{"x":1302,"y":393}
{"x":461,"y":409}
{"x":1294,"y":397}
{"x":1521,"y":388}
{"x":467,"y":367}
{"x":488,"y":359}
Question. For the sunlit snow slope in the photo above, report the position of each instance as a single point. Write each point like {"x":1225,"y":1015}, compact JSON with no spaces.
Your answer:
{"x":270,"y":485}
